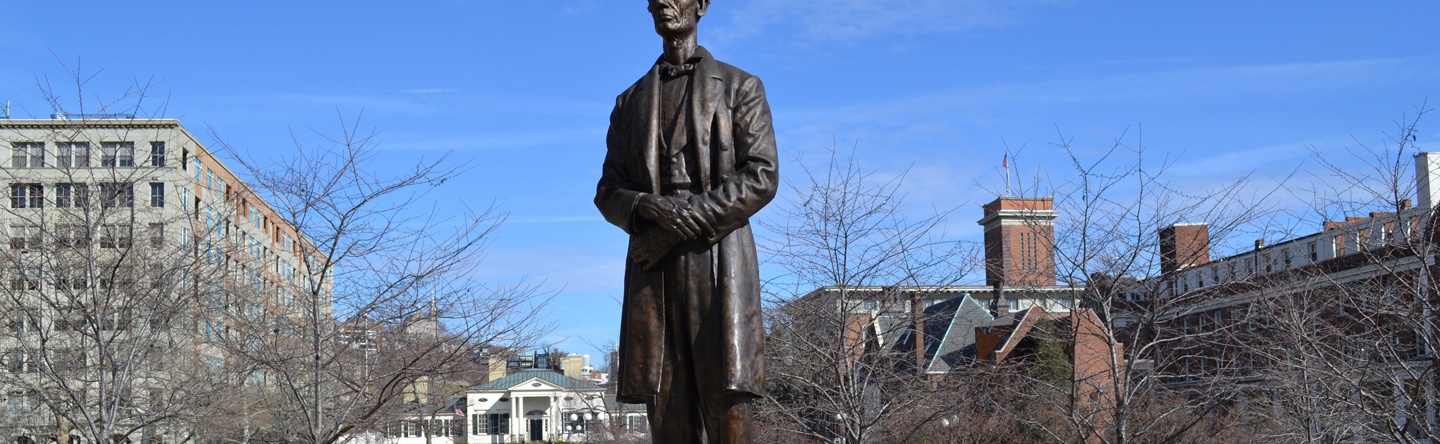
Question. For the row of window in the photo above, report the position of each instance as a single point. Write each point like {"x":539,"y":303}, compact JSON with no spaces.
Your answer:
{"x":77,"y":195}
{"x":78,"y":319}
{"x":417,"y":428}
{"x":31,"y":278}
{"x":77,"y":154}
{"x":491,"y":424}
{"x":29,"y":237}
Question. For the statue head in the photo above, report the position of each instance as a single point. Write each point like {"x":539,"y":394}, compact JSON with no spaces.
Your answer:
{"x":677,"y":18}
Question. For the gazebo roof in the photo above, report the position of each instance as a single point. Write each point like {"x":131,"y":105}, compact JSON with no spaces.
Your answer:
{"x":546,"y":375}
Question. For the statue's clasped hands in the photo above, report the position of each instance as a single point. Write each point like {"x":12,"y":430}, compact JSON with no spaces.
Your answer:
{"x":675,"y":216}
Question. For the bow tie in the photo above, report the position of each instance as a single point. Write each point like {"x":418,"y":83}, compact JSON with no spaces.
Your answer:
{"x":668,"y":71}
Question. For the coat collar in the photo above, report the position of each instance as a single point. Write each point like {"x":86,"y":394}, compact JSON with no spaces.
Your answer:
{"x":706,"y":96}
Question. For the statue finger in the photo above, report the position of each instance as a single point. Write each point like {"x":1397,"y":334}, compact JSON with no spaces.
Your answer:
{"x":677,"y":225}
{"x":691,"y":227}
{"x":703,"y":226}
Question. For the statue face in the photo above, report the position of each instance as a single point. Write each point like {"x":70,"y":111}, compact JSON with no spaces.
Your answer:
{"x":675,"y":18}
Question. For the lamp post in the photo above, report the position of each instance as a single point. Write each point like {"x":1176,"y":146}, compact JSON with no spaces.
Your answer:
{"x":580,"y":427}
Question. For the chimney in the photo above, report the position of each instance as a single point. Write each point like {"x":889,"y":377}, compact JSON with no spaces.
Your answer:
{"x":1427,"y":178}
{"x":999,"y":306}
{"x":1019,"y":241}
{"x":1183,"y":246}
{"x":917,"y":319}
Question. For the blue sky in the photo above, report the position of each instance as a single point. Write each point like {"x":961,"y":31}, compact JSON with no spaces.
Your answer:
{"x":938,"y":87}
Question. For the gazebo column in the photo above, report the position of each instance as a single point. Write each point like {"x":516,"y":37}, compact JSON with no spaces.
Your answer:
{"x":516,"y":406}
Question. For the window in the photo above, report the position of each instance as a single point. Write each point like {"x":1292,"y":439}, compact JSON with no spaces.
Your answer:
{"x":157,"y":194}
{"x":24,"y":279}
{"x":24,"y":237}
{"x":72,"y":195}
{"x":73,"y":154}
{"x":27,"y":195}
{"x":499,"y":423}
{"x":18,"y":361}
{"x":184,"y":197}
{"x":444,"y":427}
{"x":115,"y":236}
{"x":72,"y":236}
{"x":117,"y":154}
{"x":27,"y":155}
{"x":209,"y":181}
{"x":157,"y":234}
{"x":114,"y":195}
{"x":118,"y":319}
{"x":157,"y":154}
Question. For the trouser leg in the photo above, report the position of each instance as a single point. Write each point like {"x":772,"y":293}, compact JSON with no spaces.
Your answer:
{"x":675,"y":413}
{"x":727,"y":419}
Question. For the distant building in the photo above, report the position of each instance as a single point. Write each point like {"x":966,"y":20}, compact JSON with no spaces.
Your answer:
{"x":1360,"y":289}
{"x":110,"y":221}
{"x":531,"y":405}
{"x":1019,"y":274}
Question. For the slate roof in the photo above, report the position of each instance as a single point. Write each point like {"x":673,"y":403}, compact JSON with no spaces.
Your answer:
{"x":949,"y":333}
{"x":957,"y":347}
{"x":546,"y":375}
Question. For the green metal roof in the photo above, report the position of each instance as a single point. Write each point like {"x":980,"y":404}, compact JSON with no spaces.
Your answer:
{"x":547,"y":375}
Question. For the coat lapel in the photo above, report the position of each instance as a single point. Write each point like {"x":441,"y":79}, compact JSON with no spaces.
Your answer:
{"x":706,"y":97}
{"x":650,"y":97}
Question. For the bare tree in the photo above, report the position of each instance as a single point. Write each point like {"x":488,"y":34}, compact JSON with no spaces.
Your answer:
{"x":845,"y":244}
{"x":98,"y":295}
{"x":1122,"y":379}
{"x":1356,"y":331}
{"x":390,"y":310}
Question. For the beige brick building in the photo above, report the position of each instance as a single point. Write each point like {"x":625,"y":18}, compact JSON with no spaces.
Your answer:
{"x":138,"y":270}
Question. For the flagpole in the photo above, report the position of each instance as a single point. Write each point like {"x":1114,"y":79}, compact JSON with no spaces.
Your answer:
{"x":1005,"y":163}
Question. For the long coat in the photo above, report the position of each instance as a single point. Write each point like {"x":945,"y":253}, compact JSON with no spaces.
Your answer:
{"x":734,"y":145}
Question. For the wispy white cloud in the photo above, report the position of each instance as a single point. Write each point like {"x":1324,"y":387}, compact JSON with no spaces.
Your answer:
{"x":859,"y":19}
{"x":964,"y":106}
{"x":579,"y":7}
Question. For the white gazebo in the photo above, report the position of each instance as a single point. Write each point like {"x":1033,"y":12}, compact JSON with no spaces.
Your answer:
{"x":534,"y":405}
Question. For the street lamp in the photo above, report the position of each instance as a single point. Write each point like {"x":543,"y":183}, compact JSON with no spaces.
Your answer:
{"x":580,"y":427}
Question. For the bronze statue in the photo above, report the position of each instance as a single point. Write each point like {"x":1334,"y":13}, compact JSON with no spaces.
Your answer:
{"x":690,"y":158}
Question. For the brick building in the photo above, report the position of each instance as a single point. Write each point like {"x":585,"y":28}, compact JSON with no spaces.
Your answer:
{"x":1351,"y":304}
{"x":134,"y":255}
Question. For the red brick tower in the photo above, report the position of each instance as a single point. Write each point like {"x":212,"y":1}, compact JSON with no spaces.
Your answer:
{"x":1183,"y":246}
{"x":1019,"y":242}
